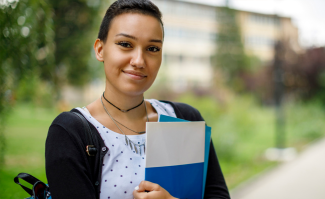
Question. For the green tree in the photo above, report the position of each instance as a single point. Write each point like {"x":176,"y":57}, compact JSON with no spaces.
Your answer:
{"x":230,"y":55}
{"x":44,"y":44}
{"x":73,"y":22}
{"x":25,"y":43}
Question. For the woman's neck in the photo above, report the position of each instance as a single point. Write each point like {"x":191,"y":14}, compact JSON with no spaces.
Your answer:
{"x":117,"y":100}
{"x":120,"y":99}
{"x":123,"y":104}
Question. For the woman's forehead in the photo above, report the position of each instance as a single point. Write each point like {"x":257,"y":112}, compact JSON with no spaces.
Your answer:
{"x":138,"y":25}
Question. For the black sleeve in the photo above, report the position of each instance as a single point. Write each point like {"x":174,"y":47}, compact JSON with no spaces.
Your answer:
{"x":215,"y":187}
{"x":67,"y":167}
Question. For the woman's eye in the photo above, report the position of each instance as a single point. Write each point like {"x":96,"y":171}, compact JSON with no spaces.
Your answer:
{"x":153,"y":49}
{"x":124,"y":44}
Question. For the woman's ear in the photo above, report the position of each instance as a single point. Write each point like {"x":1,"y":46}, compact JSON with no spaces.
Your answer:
{"x":98,"y":47}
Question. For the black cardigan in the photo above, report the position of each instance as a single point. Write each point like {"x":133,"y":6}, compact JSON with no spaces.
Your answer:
{"x":70,"y":175}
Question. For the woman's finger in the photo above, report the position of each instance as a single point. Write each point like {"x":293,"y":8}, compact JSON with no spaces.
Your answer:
{"x":148,"y":186}
{"x":149,"y":190}
{"x":140,"y":195}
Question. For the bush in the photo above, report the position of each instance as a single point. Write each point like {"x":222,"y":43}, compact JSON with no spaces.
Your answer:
{"x":242,"y":130}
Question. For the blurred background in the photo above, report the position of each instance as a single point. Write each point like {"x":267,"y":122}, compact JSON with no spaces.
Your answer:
{"x":254,"y":69}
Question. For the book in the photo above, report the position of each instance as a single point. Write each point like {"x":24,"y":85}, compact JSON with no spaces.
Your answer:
{"x":177,"y":154}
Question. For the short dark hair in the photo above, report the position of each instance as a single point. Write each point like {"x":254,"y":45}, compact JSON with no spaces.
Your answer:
{"x":119,"y":7}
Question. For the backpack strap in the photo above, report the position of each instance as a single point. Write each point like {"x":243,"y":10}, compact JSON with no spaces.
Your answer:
{"x":28,"y":178}
{"x":40,"y":189}
{"x":90,"y":147}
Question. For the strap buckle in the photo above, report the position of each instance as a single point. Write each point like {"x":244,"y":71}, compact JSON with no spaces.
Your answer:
{"x":91,"y":150}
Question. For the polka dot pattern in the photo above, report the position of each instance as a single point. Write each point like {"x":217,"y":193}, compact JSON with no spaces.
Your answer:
{"x":123,"y":169}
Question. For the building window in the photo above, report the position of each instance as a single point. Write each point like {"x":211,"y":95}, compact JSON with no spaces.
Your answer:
{"x":186,"y":33}
{"x":259,"y":41}
{"x":264,"y":19}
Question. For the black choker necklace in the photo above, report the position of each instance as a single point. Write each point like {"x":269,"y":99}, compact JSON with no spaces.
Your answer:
{"x":124,"y":111}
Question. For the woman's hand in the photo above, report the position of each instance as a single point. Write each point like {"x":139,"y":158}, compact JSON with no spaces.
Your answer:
{"x":149,"y":190}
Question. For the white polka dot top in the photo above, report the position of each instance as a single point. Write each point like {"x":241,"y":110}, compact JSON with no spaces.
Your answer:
{"x":123,"y":169}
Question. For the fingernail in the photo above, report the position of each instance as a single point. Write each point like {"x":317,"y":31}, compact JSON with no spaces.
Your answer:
{"x":136,"y":188}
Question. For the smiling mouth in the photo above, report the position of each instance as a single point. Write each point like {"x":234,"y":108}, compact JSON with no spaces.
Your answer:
{"x":134,"y":74}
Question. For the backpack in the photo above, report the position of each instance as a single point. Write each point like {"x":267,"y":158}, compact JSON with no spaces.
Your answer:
{"x":41,"y":190}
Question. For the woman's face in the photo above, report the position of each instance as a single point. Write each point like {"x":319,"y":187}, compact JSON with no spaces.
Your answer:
{"x":132,"y":53}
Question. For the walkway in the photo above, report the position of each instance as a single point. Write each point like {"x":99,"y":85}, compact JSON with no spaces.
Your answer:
{"x":302,"y":178}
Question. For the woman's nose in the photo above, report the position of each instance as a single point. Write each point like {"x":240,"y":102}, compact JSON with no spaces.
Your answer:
{"x":138,"y":59}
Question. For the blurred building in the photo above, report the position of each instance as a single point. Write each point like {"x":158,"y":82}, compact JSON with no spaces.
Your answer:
{"x":261,"y":31}
{"x":191,"y":30}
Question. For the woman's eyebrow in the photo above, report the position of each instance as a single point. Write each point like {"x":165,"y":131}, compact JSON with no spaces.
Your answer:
{"x":126,"y":35}
{"x":132,"y":37}
{"x":156,"y":40}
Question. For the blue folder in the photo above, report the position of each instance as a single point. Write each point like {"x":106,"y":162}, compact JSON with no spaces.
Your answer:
{"x":151,"y":176}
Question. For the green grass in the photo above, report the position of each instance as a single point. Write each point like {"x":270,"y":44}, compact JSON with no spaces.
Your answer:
{"x":25,"y":134}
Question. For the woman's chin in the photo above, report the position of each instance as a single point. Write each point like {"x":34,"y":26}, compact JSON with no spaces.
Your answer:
{"x":128,"y":88}
{"x":133,"y":91}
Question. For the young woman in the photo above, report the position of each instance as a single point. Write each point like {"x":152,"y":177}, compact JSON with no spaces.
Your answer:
{"x":129,"y":44}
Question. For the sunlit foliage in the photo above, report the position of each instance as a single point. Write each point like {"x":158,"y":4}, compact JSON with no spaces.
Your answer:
{"x":230,"y":55}
{"x":43,"y":46}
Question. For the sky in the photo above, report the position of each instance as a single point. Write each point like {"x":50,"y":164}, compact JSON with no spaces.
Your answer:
{"x":307,"y":15}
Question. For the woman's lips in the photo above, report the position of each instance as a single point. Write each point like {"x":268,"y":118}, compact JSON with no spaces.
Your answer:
{"x":134,"y":74}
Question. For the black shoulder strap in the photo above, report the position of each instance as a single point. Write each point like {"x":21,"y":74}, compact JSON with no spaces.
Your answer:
{"x":90,"y":137}
{"x":28,"y":178}
{"x":89,"y":133}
